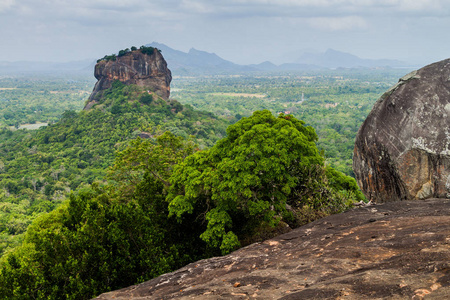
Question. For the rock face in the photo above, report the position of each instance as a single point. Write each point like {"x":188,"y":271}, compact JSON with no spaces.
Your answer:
{"x":397,"y":250}
{"x":402,"y":150}
{"x":144,"y":70}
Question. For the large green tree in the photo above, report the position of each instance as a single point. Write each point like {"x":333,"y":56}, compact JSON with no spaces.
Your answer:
{"x":264,"y":165}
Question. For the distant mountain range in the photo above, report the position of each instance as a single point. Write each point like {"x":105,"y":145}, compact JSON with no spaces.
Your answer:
{"x":202,"y":62}
{"x":197,"y":61}
{"x":336,"y":59}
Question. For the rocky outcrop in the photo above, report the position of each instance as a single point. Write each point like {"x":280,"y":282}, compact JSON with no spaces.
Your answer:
{"x":402,"y":150}
{"x":135,"y":67}
{"x":397,"y":250}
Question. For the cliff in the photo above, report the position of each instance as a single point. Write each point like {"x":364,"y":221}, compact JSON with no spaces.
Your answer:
{"x":135,"y":67}
{"x":397,"y":250}
{"x":402,"y":150}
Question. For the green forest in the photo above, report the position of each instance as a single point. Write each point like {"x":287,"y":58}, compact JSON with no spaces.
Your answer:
{"x":39,"y":168}
{"x":138,"y":186}
{"x":333,"y":102}
{"x":40,"y":99}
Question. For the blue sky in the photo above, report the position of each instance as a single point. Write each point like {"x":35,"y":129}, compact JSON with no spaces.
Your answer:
{"x":243,"y":31}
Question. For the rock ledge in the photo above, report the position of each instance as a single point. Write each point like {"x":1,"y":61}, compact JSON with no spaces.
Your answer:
{"x":397,"y":250}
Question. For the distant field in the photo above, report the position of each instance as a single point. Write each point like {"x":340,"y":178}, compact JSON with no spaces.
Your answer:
{"x":240,"y":95}
{"x":70,"y":92}
{"x":30,"y":126}
{"x":6,"y":89}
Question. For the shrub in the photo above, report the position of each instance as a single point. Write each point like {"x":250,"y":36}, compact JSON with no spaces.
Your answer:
{"x":146,"y":98}
{"x":147,"y":50}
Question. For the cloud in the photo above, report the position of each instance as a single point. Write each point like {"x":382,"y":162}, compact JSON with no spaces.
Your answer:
{"x":435,"y":6}
{"x":197,"y":7}
{"x":51,"y":27}
{"x":6,"y":5}
{"x":102,"y":11}
{"x":338,"y":23}
{"x":89,"y":13}
{"x":316,"y":8}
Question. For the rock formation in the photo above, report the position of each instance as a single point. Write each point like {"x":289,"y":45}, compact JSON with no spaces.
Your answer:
{"x":135,"y":67}
{"x":402,"y":150}
{"x":398,"y":250}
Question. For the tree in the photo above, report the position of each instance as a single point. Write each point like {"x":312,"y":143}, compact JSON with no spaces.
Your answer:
{"x":247,"y":178}
{"x":147,"y":50}
{"x":146,"y":156}
{"x":146,"y":98}
{"x":108,"y":237}
{"x":123,"y":52}
{"x":93,"y":244}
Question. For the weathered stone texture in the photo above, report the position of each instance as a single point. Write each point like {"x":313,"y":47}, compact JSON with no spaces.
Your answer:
{"x":144,"y":70}
{"x":397,"y":250}
{"x":402,"y":150}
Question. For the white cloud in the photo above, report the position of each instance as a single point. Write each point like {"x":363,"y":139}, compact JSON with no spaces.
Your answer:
{"x":198,"y":7}
{"x":338,"y":23}
{"x":318,"y":8}
{"x":5,"y":5}
{"x":423,"y":5}
{"x":175,"y":9}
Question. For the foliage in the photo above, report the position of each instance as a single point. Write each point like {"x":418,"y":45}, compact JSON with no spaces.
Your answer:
{"x":146,"y":99}
{"x":39,"y":168}
{"x":109,"y":237}
{"x":147,"y":50}
{"x":123,"y":52}
{"x":340,"y":181}
{"x":113,"y":57}
{"x":92,"y":245}
{"x":143,"y":156}
{"x":249,"y":177}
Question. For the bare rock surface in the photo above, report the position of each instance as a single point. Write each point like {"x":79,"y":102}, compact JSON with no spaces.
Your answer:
{"x":396,"y":250}
{"x":135,"y":67}
{"x":402,"y":150}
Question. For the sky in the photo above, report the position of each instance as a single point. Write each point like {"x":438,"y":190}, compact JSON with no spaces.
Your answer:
{"x":242,"y":31}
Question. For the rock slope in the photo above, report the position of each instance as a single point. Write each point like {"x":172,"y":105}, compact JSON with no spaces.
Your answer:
{"x":402,"y":150}
{"x":397,"y":250}
{"x":135,"y":67}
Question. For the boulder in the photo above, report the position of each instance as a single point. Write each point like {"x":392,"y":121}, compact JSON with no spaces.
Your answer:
{"x":135,"y":67}
{"x":397,"y":250}
{"x":402,"y":150}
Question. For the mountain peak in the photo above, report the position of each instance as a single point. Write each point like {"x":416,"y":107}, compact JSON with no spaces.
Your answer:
{"x":332,"y":58}
{"x":339,"y":53}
